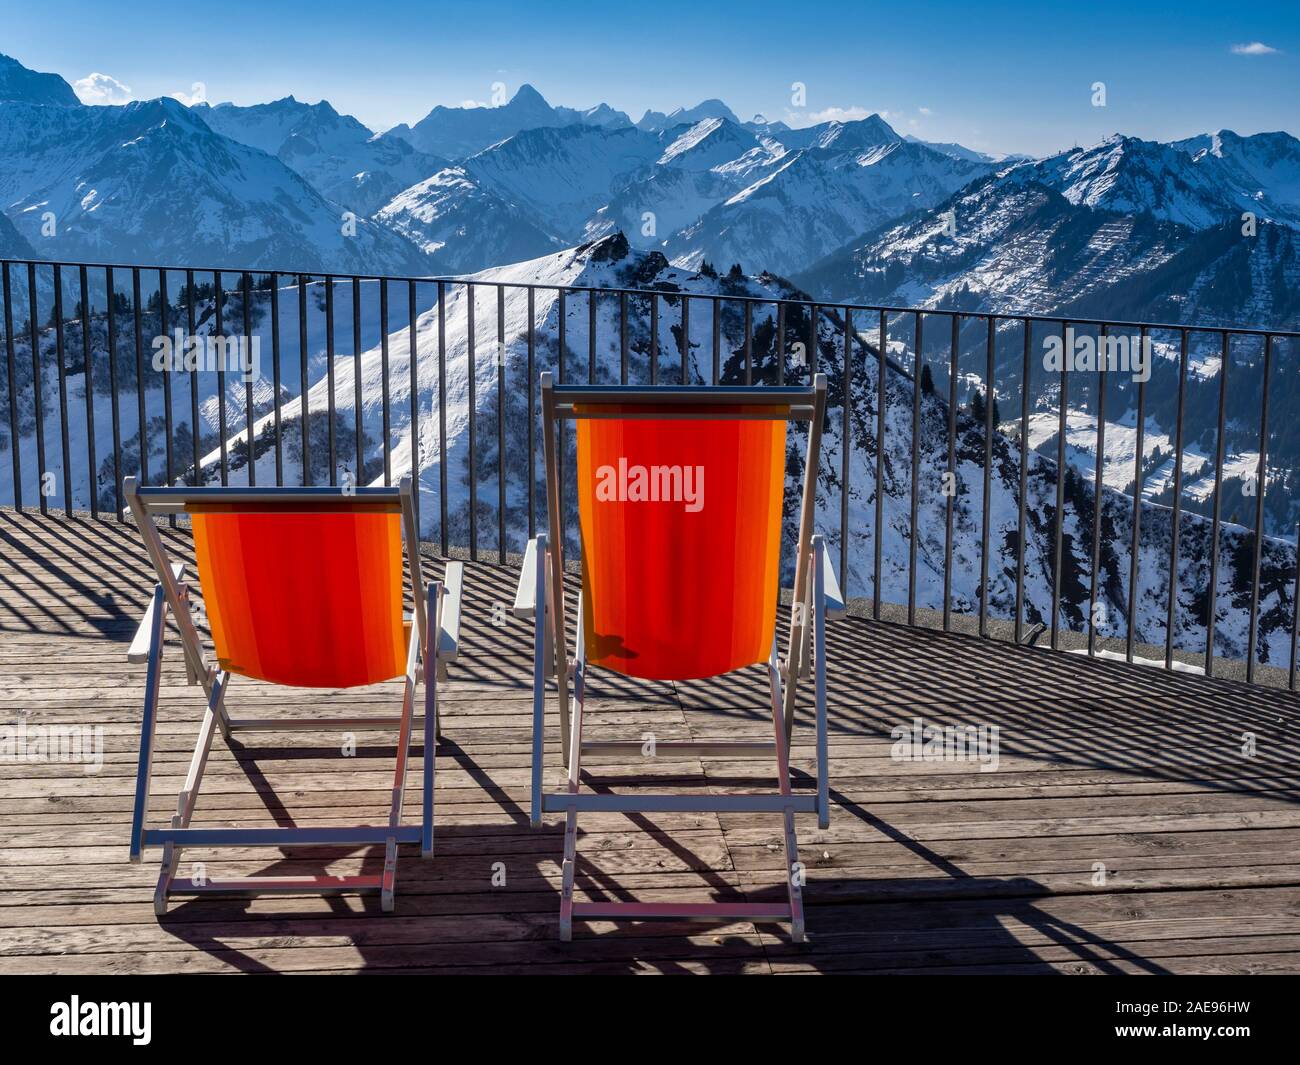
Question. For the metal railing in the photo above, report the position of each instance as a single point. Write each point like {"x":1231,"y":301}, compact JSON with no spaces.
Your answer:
{"x":765,"y":337}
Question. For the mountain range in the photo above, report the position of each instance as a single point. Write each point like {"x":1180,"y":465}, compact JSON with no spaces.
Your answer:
{"x":1202,"y":230}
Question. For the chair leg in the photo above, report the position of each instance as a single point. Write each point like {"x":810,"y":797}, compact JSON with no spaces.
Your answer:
{"x":432,"y":732}
{"x":569,"y":866}
{"x":793,"y":869}
{"x":189,"y":794}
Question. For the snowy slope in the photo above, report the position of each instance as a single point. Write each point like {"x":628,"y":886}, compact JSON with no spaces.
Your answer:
{"x":462,"y":226}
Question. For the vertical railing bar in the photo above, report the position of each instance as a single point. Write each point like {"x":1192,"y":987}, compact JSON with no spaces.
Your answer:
{"x":1057,"y":551}
{"x":881,"y":404}
{"x":1176,"y":526}
{"x":561,"y":378}
{"x":356,"y":381}
{"x":749,"y":346}
{"x":139,"y":376}
{"x":1295,"y":614}
{"x":63,"y":389}
{"x":88,"y":368}
{"x":950,"y":490}
{"x":169,"y":429}
{"x":275,"y":379}
{"x":302,"y":371}
{"x":471,"y":418}
{"x":329,"y":376}
{"x":38,"y":389}
{"x":622,"y":332}
{"x":990,"y":401}
{"x":442,"y":413}
{"x":591,"y":337}
{"x":654,"y":338}
{"x":501,"y":414}
{"x":717,"y":340}
{"x":110,"y":289}
{"x":1131,"y":627}
{"x":414,"y":368}
{"x":1261,"y":486}
{"x":246,"y":283}
{"x":916,"y":473}
{"x":1099,"y":495}
{"x":532,"y":408}
{"x":686,"y":338}
{"x":812,"y":341}
{"x":196,"y":440}
{"x":13,"y":392}
{"x":386,"y":413}
{"x":218,"y":332}
{"x":1024,"y":482}
{"x":780,"y":343}
{"x":846,"y":449}
{"x":1219,"y":446}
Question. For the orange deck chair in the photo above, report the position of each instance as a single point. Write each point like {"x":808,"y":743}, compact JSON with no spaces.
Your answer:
{"x":680,"y":494}
{"x":301,"y":587}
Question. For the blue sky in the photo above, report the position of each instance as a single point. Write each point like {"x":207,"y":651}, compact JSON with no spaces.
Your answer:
{"x":998,"y":77}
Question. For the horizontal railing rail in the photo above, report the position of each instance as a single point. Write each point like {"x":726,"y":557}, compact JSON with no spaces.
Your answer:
{"x":196,"y":424}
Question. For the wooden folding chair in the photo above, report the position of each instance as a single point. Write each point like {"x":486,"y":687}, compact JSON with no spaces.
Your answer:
{"x":680,"y":495}
{"x":301,"y":587}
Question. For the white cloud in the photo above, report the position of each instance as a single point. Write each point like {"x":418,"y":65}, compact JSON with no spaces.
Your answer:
{"x":473,"y":103}
{"x":837,"y":114}
{"x":198,"y":94}
{"x":925,"y":111}
{"x":101,"y":89}
{"x":1253,"y":48}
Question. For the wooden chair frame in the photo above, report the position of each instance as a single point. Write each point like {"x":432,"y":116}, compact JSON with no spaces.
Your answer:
{"x":540,"y":596}
{"x":433,"y":643}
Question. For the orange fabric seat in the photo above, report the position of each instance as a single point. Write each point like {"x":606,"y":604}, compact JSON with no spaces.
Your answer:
{"x":303,"y":596}
{"x":681,"y":537}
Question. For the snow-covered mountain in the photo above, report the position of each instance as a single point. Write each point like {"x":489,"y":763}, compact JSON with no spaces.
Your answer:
{"x":657,"y":121}
{"x":20,"y":85}
{"x":814,"y":199}
{"x":343,"y":160}
{"x":150,"y":182}
{"x":13,"y":245}
{"x":457,"y":132}
{"x":1197,"y":186}
{"x":1014,"y":246}
{"x":463,"y":226}
{"x":563,"y":174}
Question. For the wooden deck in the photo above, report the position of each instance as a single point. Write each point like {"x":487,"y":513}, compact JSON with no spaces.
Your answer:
{"x":927,"y":867}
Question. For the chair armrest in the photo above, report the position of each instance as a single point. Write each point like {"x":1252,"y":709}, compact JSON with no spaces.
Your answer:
{"x":835,"y":607}
{"x":526,"y":590}
{"x":453,"y":578}
{"x":139,"y":650}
